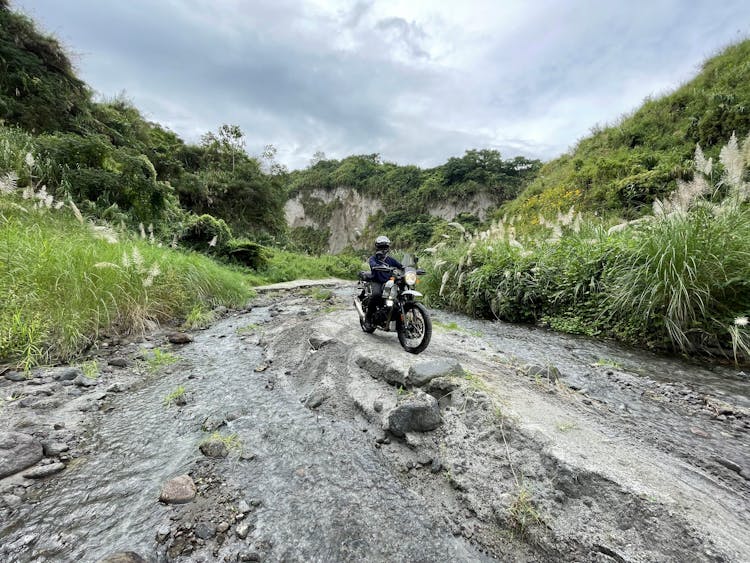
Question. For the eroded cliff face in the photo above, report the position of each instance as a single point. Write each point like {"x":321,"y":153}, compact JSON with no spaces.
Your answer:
{"x":345,"y":213}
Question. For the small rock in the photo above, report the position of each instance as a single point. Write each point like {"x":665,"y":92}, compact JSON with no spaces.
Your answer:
{"x":214,"y":448}
{"x":247,"y":456}
{"x":222,"y":527}
{"x":377,"y":405}
{"x":11,"y":501}
{"x":212,"y":423}
{"x":116,"y":387}
{"x":162,"y":534}
{"x":436,"y":465}
{"x":118,"y":362}
{"x":424,"y":459}
{"x":699,"y":432}
{"x":249,"y":556}
{"x":15,"y":376}
{"x":53,"y":449}
{"x":178,"y":490}
{"x":68,"y":374}
{"x":318,"y":341}
{"x":729,"y":464}
{"x":83,"y":381}
{"x":44,"y":471}
{"x":316,"y":398}
{"x":58,"y":425}
{"x":123,"y":557}
{"x":243,"y":507}
{"x":179,"y":338}
{"x":548,"y":372}
{"x":205,"y":530}
{"x":243,"y":529}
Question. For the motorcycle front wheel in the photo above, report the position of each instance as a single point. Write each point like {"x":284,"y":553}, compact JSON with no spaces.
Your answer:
{"x":414,"y":328}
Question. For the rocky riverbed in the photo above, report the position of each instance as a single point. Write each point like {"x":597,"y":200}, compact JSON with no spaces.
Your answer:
{"x":284,"y":433}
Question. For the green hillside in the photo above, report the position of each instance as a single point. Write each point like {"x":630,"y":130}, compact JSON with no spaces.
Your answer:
{"x":622,"y":168}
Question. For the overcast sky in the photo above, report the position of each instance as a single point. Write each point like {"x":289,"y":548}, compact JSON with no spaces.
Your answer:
{"x":417,"y":81}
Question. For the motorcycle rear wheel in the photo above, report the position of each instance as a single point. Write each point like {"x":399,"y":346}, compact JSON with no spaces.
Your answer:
{"x":415,"y":328}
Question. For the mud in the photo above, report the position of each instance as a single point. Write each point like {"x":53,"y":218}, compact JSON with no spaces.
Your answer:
{"x":636,"y":458}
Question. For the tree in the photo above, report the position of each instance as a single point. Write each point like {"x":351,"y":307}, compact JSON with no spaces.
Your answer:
{"x":227,"y":144}
{"x":273,"y":167}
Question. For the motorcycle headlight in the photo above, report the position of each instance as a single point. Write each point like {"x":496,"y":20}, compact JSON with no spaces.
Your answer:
{"x":411,"y":277}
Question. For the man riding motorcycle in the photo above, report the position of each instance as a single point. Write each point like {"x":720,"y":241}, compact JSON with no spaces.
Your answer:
{"x":380,"y":258}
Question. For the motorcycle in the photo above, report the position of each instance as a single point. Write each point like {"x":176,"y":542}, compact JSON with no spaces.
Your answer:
{"x":398,"y":310}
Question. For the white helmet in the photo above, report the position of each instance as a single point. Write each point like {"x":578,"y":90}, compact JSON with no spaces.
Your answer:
{"x":382,"y":243}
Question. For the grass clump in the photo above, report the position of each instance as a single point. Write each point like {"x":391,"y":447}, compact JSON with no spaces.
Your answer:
{"x":607,"y":363}
{"x":247,"y":329}
{"x":321,"y":294}
{"x":231,"y":441}
{"x":198,"y":317}
{"x":159,"y":359}
{"x":522,"y":513}
{"x":90,"y":369}
{"x":177,"y":396}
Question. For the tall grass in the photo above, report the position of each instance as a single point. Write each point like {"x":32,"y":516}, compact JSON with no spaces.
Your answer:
{"x":677,"y":279}
{"x":63,"y":282}
{"x":286,"y":266}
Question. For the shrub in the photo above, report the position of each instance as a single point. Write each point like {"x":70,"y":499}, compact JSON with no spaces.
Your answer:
{"x":247,"y":253}
{"x":203,"y":232}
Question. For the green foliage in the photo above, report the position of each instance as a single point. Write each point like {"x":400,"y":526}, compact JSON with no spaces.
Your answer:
{"x":248,"y":253}
{"x":206,"y":233}
{"x":286,"y":266}
{"x":198,"y":317}
{"x":677,"y":279}
{"x":62,"y":283}
{"x":38,"y":88}
{"x":310,"y":239}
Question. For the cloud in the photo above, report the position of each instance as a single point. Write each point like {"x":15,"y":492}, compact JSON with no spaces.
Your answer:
{"x":413,"y":80}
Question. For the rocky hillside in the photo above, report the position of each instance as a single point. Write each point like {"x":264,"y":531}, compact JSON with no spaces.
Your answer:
{"x":347,"y":217}
{"x":334,"y":205}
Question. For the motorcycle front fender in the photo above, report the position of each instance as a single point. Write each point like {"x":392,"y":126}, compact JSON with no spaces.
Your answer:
{"x":411,"y":292}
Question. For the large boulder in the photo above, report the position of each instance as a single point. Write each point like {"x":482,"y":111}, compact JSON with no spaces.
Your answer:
{"x":17,"y":452}
{"x":418,"y":412}
{"x":382,"y":368}
{"x":424,"y":372}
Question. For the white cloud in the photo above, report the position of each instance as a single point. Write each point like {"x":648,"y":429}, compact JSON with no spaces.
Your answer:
{"x":416,"y":80}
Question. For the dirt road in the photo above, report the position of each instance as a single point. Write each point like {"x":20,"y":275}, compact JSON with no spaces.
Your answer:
{"x":334,"y":452}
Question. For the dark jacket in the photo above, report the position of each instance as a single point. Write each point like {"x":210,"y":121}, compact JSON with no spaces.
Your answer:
{"x":379,"y":260}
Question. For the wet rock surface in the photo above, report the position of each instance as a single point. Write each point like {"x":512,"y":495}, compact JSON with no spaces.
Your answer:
{"x":351,"y":449}
{"x":17,"y":452}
